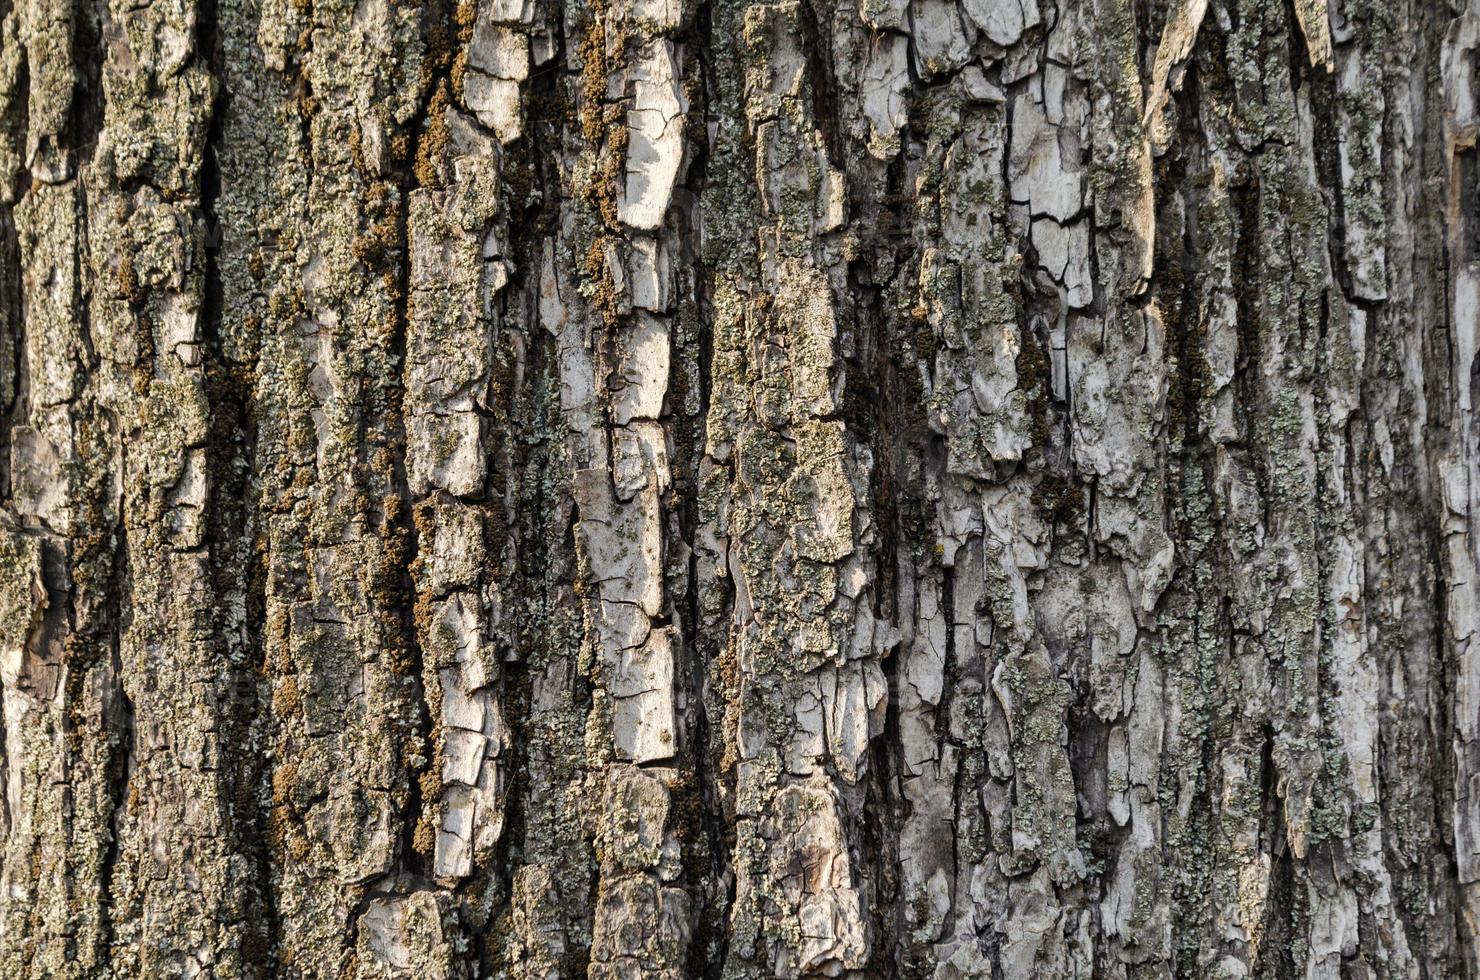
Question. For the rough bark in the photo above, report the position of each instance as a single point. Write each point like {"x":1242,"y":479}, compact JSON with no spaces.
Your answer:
{"x":687,"y":488}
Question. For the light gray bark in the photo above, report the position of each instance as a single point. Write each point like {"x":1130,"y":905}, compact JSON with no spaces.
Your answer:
{"x":688,"y":488}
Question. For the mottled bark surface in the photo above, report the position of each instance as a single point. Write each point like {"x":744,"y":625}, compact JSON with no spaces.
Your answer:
{"x":686,"y":488}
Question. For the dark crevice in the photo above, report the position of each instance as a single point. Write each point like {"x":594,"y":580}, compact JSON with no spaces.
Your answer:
{"x":1325,"y":146}
{"x":399,"y":523}
{"x":708,"y":944}
{"x":884,"y":801}
{"x":236,"y":562}
{"x":119,"y":723}
{"x":1446,"y":673}
{"x":402,"y":535}
{"x":821,"y":85}
{"x":948,"y":657}
{"x":1247,"y":272}
{"x":518,"y":547}
{"x":13,"y":362}
{"x":1469,"y":203}
{"x":14,"y":366}
{"x":1274,"y":957}
{"x":85,"y":121}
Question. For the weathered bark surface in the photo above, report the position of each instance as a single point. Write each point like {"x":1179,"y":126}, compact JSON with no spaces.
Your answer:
{"x":681,"y":488}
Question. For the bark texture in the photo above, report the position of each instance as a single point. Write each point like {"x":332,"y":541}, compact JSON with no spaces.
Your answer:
{"x":695,"y":488}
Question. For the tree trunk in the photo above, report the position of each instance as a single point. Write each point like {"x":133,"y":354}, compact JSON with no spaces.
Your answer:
{"x":670,"y":488}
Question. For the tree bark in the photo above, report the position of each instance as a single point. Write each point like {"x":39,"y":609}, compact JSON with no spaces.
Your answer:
{"x":688,"y":488}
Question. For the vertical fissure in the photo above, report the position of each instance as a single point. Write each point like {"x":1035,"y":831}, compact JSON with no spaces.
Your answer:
{"x":121,"y":727}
